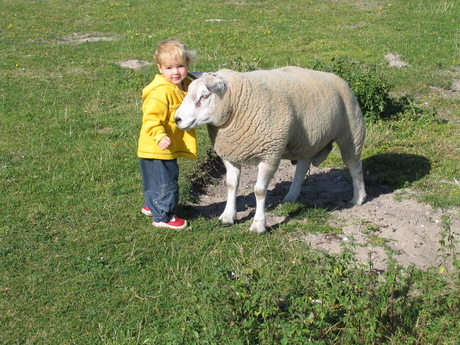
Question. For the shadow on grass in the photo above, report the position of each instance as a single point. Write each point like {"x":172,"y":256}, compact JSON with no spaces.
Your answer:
{"x":330,"y":189}
{"x":388,"y":172}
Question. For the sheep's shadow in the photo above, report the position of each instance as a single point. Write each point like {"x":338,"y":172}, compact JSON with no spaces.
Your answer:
{"x":331,"y":189}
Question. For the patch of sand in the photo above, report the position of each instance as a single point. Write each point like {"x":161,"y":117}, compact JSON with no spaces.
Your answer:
{"x":411,"y":229}
{"x":394,"y":60}
{"x":76,"y":38}
{"x":134,"y":64}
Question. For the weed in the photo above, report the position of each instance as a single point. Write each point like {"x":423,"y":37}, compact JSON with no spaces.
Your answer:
{"x":448,"y":242}
{"x":373,"y":92}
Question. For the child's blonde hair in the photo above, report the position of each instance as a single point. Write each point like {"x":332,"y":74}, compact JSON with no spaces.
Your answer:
{"x":174,"y":49}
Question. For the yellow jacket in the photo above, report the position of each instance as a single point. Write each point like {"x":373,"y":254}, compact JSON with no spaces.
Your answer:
{"x":161,"y":99}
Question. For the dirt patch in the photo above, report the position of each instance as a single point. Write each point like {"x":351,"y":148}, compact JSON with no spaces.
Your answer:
{"x":411,"y":229}
{"x":452,"y":93}
{"x":367,"y":5}
{"x":76,"y":38}
{"x":134,"y":64}
{"x":394,"y":60}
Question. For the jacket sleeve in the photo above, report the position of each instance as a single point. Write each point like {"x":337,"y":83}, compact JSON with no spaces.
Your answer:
{"x":155,"y":112}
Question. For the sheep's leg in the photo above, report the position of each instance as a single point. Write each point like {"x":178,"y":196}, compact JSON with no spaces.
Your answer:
{"x":299,"y":176}
{"x":355,"y":167}
{"x":233,"y":179}
{"x":265,"y":174}
{"x":359,"y":190}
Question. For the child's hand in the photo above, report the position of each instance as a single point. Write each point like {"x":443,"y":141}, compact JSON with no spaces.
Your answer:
{"x":164,"y":143}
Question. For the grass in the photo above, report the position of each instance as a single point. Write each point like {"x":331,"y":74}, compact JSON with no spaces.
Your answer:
{"x":80,"y":265}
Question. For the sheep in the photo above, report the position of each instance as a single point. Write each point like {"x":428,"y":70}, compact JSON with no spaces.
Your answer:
{"x":263,"y":116}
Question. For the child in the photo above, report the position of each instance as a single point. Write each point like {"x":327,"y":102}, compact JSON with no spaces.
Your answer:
{"x":160,"y":141}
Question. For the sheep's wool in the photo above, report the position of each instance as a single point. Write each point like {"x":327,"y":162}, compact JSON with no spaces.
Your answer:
{"x":261,"y":117}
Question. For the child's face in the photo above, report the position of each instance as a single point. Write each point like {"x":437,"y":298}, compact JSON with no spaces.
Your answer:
{"x":173,"y":71}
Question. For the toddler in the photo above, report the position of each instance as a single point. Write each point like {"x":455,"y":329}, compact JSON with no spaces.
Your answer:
{"x":161,"y":142}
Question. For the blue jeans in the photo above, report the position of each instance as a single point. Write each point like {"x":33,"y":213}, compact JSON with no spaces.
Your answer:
{"x":161,"y":187}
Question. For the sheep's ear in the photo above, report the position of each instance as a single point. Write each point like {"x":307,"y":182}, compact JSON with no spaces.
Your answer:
{"x":217,"y":86}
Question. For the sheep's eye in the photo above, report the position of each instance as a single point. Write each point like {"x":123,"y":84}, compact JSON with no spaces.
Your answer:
{"x":198,"y":103}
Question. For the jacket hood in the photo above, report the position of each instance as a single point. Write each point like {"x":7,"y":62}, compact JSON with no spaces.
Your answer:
{"x":157,"y":81}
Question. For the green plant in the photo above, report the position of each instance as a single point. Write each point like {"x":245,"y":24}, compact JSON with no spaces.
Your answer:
{"x":370,"y":88}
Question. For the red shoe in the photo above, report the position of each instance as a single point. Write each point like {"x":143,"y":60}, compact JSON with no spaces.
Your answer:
{"x":175,"y":223}
{"x":145,"y":210}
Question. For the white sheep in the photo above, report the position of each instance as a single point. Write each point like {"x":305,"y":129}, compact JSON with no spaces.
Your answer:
{"x":261,"y":117}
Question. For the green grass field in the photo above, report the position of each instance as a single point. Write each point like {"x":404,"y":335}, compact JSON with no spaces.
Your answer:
{"x":81,"y":265}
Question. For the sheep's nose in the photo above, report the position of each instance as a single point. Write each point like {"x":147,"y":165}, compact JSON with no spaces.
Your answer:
{"x":177,"y":119}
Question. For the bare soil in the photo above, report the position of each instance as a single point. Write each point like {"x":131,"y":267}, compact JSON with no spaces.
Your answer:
{"x":411,"y":229}
{"x":78,"y":38}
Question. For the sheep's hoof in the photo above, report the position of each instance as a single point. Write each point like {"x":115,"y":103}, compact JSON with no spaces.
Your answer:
{"x":358,"y":201}
{"x":289,"y":199}
{"x":257,"y":227}
{"x":226,"y":220}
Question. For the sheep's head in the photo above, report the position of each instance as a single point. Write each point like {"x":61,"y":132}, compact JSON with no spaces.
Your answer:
{"x":203,"y":103}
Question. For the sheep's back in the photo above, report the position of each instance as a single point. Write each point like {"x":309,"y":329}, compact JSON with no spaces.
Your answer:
{"x":290,"y":112}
